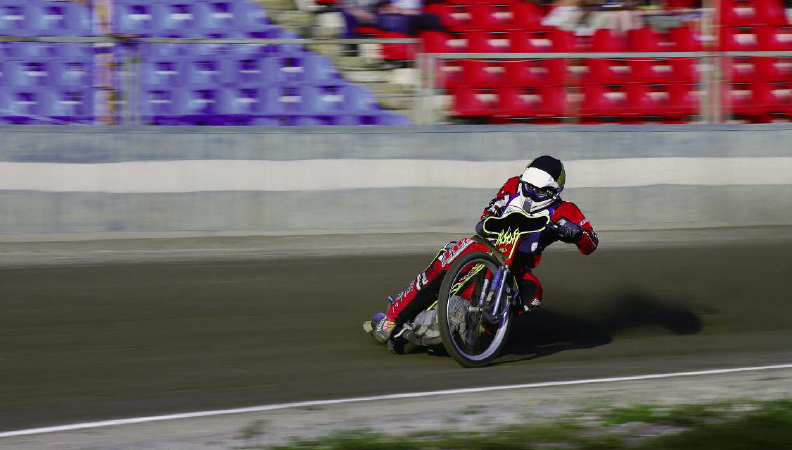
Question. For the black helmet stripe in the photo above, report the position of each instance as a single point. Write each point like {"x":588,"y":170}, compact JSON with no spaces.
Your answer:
{"x":550,"y":165}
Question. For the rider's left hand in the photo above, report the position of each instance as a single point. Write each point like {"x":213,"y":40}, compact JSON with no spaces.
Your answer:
{"x":569,"y":232}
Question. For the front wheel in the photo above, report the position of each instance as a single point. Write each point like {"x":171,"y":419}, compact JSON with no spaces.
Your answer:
{"x":467,"y":336}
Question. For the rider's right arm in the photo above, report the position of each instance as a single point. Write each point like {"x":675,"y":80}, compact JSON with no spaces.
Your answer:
{"x":500,"y":201}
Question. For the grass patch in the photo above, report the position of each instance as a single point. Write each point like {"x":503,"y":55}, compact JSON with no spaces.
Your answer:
{"x":766,"y":426}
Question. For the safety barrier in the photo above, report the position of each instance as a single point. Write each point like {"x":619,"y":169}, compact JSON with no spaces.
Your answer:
{"x":345,"y":179}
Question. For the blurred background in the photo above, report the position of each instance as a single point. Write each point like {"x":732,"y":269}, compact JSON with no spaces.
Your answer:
{"x":202,"y":200}
{"x":399,"y":62}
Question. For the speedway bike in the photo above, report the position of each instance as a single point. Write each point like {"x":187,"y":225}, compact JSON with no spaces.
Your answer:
{"x":479,"y":295}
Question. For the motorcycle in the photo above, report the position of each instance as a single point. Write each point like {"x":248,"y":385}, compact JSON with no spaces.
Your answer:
{"x":478,"y":297}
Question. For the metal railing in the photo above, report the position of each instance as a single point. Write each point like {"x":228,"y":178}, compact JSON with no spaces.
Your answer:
{"x":712,"y":108}
{"x":128,"y":93}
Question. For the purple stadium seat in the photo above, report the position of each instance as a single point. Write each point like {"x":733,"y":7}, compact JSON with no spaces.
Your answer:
{"x":26,"y":74}
{"x":208,"y":72}
{"x":160,"y":103}
{"x":29,"y":50}
{"x":357,"y":98}
{"x":241,"y":104}
{"x":134,"y":18}
{"x":390,"y":119}
{"x":173,"y":17}
{"x":164,"y":73}
{"x":67,"y":104}
{"x":70,"y":73}
{"x":319,"y":70}
{"x":248,"y":71}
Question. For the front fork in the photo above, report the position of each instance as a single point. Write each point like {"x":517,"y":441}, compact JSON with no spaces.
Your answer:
{"x":495,"y":312}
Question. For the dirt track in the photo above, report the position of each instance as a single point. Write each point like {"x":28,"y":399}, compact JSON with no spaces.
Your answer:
{"x":120,"y":340}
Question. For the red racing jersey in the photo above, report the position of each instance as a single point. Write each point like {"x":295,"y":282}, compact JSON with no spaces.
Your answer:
{"x":533,"y":246}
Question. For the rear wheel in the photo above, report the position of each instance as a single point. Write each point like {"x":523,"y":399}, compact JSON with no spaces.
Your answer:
{"x":467,"y":336}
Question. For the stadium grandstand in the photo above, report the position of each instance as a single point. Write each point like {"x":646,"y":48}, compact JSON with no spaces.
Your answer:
{"x":179,"y":84}
{"x":292,"y":84}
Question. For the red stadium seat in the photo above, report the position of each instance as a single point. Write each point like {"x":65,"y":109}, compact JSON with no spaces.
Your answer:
{"x":650,"y":70}
{"x":771,"y":12}
{"x":607,"y":71}
{"x":738,"y":39}
{"x":685,"y":39}
{"x":601,"y":101}
{"x":741,"y":69}
{"x":546,"y":102}
{"x":684,"y":100}
{"x":488,"y":17}
{"x":772,"y":38}
{"x":751,"y":100}
{"x":469,"y":102}
{"x":774,"y":69}
{"x":455,"y":19}
{"x":528,"y":16}
{"x":484,"y":42}
{"x":436,"y":42}
{"x":736,"y":13}
{"x":483,"y":73}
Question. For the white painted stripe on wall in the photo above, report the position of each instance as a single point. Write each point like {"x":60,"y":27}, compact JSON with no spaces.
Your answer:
{"x":341,"y":401}
{"x":336,"y":174}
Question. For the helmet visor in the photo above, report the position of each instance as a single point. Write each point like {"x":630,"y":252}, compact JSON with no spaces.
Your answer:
{"x":536,"y":193}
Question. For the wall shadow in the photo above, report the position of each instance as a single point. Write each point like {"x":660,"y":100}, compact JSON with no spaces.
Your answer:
{"x":545,"y":332}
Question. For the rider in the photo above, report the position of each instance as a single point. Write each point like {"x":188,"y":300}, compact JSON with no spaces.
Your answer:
{"x":535,"y":192}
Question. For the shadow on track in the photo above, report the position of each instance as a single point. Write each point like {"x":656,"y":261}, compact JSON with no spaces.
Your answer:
{"x":544,"y":332}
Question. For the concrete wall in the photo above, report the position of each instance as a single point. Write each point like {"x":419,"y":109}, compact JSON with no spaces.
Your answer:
{"x":71,"y":179}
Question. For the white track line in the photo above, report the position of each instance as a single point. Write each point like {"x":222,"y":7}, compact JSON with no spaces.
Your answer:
{"x":252,"y":409}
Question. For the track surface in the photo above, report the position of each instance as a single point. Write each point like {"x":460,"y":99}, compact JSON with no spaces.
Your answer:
{"x":120,"y":340}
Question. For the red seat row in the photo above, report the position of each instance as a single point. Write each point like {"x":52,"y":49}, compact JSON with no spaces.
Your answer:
{"x":752,"y":12}
{"x":760,"y":38}
{"x":631,"y":102}
{"x":676,"y":102}
{"x":682,"y":39}
{"x":489,"y":17}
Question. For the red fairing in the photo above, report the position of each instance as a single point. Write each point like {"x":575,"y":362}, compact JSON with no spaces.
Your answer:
{"x":569,"y":211}
{"x":502,"y":199}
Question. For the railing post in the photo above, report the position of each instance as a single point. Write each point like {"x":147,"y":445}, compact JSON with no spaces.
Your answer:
{"x":418,"y":99}
{"x":430,"y":99}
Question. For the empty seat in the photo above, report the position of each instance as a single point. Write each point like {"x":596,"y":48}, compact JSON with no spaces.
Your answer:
{"x":490,"y":17}
{"x":470,"y":102}
{"x":774,"y":69}
{"x":600,"y":101}
{"x":741,"y":69}
{"x":527,"y":16}
{"x":248,"y":72}
{"x":71,"y":73}
{"x":543,"y":102}
{"x":163,"y":73}
{"x":738,"y":39}
{"x":454,"y":19}
{"x":67,"y":104}
{"x":208,"y":72}
{"x":684,"y":100}
{"x":771,"y":12}
{"x":134,"y":18}
{"x":173,"y":17}
{"x":607,"y":71}
{"x":772,"y":38}
{"x":737,"y":13}
{"x":27,"y":73}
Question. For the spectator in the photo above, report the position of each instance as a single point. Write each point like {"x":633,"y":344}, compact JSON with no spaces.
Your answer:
{"x":567,"y":15}
{"x":406,"y":16}
{"x":357,"y":13}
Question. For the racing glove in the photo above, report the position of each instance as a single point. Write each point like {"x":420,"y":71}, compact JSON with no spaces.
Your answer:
{"x":569,"y":232}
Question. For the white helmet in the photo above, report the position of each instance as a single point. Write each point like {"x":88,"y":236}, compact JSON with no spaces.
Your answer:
{"x":541,"y":183}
